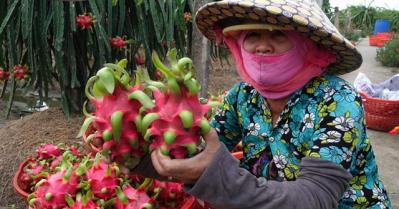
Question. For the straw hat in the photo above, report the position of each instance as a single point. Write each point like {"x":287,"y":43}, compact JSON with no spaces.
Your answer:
{"x":303,"y":16}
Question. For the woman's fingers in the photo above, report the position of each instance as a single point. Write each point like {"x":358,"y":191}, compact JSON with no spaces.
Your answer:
{"x":190,"y":169}
{"x":212,"y":140}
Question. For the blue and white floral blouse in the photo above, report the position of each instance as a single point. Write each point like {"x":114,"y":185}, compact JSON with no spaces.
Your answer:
{"x":324,"y":119}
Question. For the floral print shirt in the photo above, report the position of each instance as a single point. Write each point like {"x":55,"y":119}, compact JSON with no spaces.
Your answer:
{"x":324,"y":119}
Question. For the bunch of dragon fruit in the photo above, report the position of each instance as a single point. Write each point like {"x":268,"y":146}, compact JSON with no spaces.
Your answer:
{"x":127,"y":123}
{"x":177,"y":118}
{"x":4,"y":75}
{"x":113,"y":127}
{"x":96,"y":183}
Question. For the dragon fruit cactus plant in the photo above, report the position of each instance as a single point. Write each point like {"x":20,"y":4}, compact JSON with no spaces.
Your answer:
{"x":112,"y":127}
{"x":177,"y":120}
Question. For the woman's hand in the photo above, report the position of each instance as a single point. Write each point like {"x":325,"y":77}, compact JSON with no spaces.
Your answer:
{"x":190,"y":169}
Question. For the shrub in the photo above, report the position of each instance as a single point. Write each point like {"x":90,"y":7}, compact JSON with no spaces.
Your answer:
{"x":352,"y":36}
{"x":388,"y":55}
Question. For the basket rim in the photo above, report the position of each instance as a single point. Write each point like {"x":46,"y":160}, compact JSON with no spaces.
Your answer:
{"x":367,"y":97}
{"x":15,"y":180}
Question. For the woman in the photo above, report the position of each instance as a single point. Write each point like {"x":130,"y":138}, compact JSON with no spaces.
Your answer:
{"x":302,"y":128}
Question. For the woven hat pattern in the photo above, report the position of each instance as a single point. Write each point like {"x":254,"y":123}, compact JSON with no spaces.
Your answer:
{"x":303,"y":16}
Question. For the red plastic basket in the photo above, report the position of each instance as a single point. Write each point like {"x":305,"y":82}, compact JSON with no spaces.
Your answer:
{"x":381,"y":114}
{"x":16,"y":180}
{"x":373,"y":40}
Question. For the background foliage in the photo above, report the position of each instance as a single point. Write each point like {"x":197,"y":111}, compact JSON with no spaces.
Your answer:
{"x":43,"y":35}
{"x":388,"y":55}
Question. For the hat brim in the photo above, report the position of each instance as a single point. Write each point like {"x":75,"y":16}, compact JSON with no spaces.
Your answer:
{"x":301,"y":16}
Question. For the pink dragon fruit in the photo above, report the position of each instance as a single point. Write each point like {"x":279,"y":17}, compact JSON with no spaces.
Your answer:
{"x":103,"y":179}
{"x":88,"y":205}
{"x":119,"y":42}
{"x":48,"y":150}
{"x":167,"y":194}
{"x":113,"y":125}
{"x":177,"y":120}
{"x":131,"y":198}
{"x":51,"y":192}
{"x":4,"y":75}
{"x":84,"y":21}
{"x":20,"y":72}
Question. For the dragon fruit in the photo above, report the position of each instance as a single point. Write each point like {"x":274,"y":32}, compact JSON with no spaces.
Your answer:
{"x":103,"y":179}
{"x":4,"y":75}
{"x":113,"y":125}
{"x":48,"y":150}
{"x":177,"y":120}
{"x":131,"y":198}
{"x":82,"y":201}
{"x":88,"y":205}
{"x":167,"y":194}
{"x":20,"y":72}
{"x":84,"y":21}
{"x":119,"y":42}
{"x":51,"y":192}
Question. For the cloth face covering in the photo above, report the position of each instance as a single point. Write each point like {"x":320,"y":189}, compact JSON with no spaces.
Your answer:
{"x":273,"y":69}
{"x":275,"y":85}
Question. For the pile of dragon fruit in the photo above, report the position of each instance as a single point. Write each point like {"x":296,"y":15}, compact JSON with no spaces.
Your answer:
{"x":61,"y":177}
{"x":130,"y":116}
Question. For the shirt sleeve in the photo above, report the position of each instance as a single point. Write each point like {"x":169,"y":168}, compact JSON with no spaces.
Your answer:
{"x":320,"y":184}
{"x":226,"y":120}
{"x":340,"y":128}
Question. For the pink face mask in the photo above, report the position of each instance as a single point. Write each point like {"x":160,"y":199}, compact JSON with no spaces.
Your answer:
{"x":273,"y":69}
{"x":279,"y":76}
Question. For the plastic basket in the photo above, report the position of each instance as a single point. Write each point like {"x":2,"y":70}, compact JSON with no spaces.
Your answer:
{"x":381,"y":114}
{"x":17,"y":184}
{"x":373,"y":40}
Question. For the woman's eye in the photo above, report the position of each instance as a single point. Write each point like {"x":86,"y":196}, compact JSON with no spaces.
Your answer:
{"x":278,"y":34}
{"x":253,"y":36}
